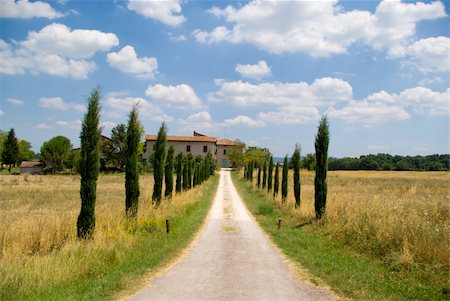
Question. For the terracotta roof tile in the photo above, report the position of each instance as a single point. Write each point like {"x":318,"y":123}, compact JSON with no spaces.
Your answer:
{"x":225,"y":142}
{"x":184,"y":138}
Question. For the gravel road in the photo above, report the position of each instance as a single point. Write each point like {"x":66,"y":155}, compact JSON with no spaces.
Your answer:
{"x":232,"y":260}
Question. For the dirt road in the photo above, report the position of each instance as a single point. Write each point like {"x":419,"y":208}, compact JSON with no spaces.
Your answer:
{"x":233,"y":260}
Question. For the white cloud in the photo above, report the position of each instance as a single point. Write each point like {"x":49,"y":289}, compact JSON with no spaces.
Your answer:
{"x":177,"y":38}
{"x":43,"y":126}
{"x":383,"y":106}
{"x":430,"y":55}
{"x":290,"y":115}
{"x":62,"y":123}
{"x":14,"y":101}
{"x":72,"y":124}
{"x":245,"y":120}
{"x":431,"y":81}
{"x":108,"y":124}
{"x":55,"y":50}
{"x":321,"y":92}
{"x":120,"y":107}
{"x":181,"y":96}
{"x":61,"y":40}
{"x":26,"y":10}
{"x":200,"y":121}
{"x":59,"y":104}
{"x":319,"y":28}
{"x":257,"y":71}
{"x":2,"y":113}
{"x":166,"y":11}
{"x":127,"y":61}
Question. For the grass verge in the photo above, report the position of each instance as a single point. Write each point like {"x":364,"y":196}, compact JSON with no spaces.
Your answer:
{"x":350,"y":273}
{"x":111,"y":263}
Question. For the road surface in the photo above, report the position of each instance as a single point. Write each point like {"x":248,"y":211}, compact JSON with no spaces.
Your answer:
{"x":232,"y":260}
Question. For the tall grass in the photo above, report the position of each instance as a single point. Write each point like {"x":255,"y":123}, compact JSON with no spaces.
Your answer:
{"x":38,"y":244}
{"x":401,"y":218}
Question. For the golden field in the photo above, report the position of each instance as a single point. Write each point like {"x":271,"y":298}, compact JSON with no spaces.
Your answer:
{"x":38,"y":244}
{"x":400,"y":217}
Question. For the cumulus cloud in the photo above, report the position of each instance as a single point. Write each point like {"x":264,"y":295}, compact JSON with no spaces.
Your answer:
{"x":166,"y":11}
{"x":245,"y":120}
{"x":2,"y":113}
{"x":180,"y":96}
{"x":43,"y":126}
{"x":58,"y":103}
{"x":72,"y":124}
{"x":55,"y":50}
{"x":127,"y":61}
{"x":319,"y":28}
{"x":383,"y":106}
{"x":257,"y":71}
{"x":200,"y":121}
{"x":430,"y":55}
{"x":177,"y":38}
{"x":322,"y":91}
{"x":15,"y":101}
{"x":26,"y":10}
{"x":119,"y":107}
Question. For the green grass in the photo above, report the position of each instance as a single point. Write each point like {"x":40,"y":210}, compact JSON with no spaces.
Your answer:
{"x":346,"y":271}
{"x":123,"y":268}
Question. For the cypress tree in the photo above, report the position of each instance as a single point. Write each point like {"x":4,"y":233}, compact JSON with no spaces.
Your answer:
{"x":159,"y":164}
{"x":297,"y":183}
{"x":259,"y":176}
{"x":264,"y":174}
{"x":250,"y":173}
{"x":320,"y":181}
{"x":276,"y":182}
{"x":179,"y":171}
{"x":168,"y":173}
{"x":190,"y":169}
{"x":245,"y":172}
{"x":89,"y":165}
{"x":186,"y":174}
{"x":284,"y":181}
{"x":10,"y":151}
{"x":195,"y":175}
{"x":269,"y":176}
{"x":131,"y":164}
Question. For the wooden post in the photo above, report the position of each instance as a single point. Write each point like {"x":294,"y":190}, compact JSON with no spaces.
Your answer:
{"x":279,"y":224}
{"x":167,"y":226}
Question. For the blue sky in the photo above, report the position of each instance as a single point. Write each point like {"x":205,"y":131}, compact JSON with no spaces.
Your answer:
{"x":260,"y":71}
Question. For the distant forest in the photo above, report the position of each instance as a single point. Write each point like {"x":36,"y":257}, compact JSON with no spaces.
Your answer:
{"x":389,"y":162}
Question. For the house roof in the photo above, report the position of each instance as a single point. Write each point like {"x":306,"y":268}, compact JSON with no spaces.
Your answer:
{"x":28,"y":164}
{"x":184,"y":138}
{"x":226,"y":142}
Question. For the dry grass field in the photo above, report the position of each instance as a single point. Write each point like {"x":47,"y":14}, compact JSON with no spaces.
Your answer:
{"x":38,"y":245}
{"x":399,"y":217}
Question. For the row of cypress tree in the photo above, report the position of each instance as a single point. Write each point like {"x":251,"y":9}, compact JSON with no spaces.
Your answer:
{"x":320,"y":181}
{"x":189,"y":172}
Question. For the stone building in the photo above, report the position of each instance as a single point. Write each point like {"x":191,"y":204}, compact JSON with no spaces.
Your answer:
{"x":197,"y":144}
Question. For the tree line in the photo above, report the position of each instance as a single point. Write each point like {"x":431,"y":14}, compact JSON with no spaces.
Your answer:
{"x":269,"y":180}
{"x":189,"y":171}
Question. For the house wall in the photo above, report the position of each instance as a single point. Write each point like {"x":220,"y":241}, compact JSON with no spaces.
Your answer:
{"x":221,"y":158}
{"x":180,"y":146}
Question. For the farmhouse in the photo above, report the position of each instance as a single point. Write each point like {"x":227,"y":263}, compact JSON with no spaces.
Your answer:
{"x":32,"y":167}
{"x":197,"y":144}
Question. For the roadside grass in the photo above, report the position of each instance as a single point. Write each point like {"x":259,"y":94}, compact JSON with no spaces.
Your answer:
{"x":352,"y":271}
{"x":41,"y":259}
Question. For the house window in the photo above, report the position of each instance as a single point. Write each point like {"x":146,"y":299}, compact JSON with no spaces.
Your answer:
{"x":225,"y":151}
{"x":188,"y":148}
{"x":205,"y":148}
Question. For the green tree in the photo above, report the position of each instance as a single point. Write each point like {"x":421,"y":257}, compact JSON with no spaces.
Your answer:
{"x":320,"y":181}
{"x":236,"y":154}
{"x":256,"y":155}
{"x":131,"y":149}
{"x":186,"y":181}
{"x":10,"y":150}
{"x":3,"y":136}
{"x":264,"y":182}
{"x":25,"y":152}
{"x":259,"y":176}
{"x":284,"y":181}
{"x":169,"y":172}
{"x":276,"y":182}
{"x":269,"y":175}
{"x":190,"y":160}
{"x":159,"y":163}
{"x":296,"y":164}
{"x":119,"y":136}
{"x":72,"y":161}
{"x":55,"y":151}
{"x":309,"y":161}
{"x":89,"y":165}
{"x":179,"y":171}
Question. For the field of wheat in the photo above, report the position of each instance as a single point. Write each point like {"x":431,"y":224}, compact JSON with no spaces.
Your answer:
{"x":38,"y":244}
{"x":399,"y":217}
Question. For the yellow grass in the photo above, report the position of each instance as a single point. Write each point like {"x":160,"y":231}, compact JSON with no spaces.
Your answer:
{"x":38,"y":245}
{"x":400,"y":217}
